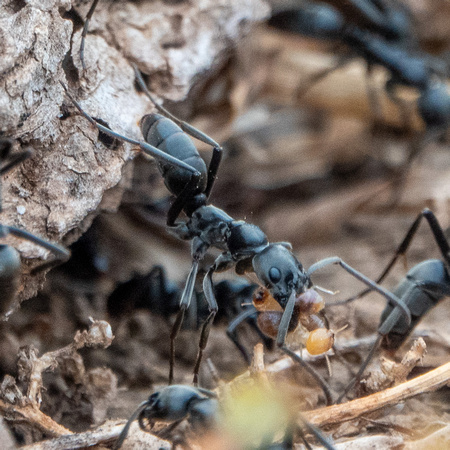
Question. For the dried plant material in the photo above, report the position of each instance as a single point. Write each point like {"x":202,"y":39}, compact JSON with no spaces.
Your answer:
{"x":391,"y":373}
{"x":343,"y":92}
{"x":373,"y":443}
{"x":351,"y":410}
{"x":104,"y":434}
{"x":440,"y":439}
{"x":31,"y":367}
{"x":342,"y":347}
{"x":30,"y":415}
{"x":5,"y":437}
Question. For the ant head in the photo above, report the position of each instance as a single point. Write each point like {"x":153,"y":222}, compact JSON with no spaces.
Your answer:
{"x":170,"y":404}
{"x":280,"y":272}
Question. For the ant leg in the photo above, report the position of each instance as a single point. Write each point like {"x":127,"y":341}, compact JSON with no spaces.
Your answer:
{"x":439,"y":237}
{"x":124,"y":433}
{"x":189,"y":129}
{"x":184,"y":305}
{"x":213,"y":169}
{"x":389,"y":323}
{"x":316,"y":375}
{"x":232,"y":334}
{"x":15,"y":160}
{"x":148,"y":149}
{"x":198,"y":251}
{"x":180,"y":201}
{"x":85,"y":30}
{"x":342,"y":61}
{"x":61,"y":253}
{"x":327,"y":443}
{"x":208,"y":290}
{"x":280,"y":341}
{"x":361,"y":370}
{"x":399,"y":304}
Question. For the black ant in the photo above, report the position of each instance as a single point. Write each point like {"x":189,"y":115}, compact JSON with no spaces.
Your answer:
{"x":411,"y":69}
{"x":245,"y":247}
{"x":326,"y":20}
{"x":158,"y":294}
{"x":10,"y":263}
{"x":423,"y":287}
{"x":201,"y":407}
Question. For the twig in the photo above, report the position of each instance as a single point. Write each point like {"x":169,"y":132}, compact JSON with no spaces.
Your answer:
{"x":33,"y":416}
{"x":32,"y":367}
{"x":107,"y":432}
{"x":351,"y":410}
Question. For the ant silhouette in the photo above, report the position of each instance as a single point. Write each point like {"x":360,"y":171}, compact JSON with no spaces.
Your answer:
{"x":408,"y":68}
{"x":244,"y":246}
{"x":423,"y":287}
{"x":10,"y":263}
{"x":158,"y":294}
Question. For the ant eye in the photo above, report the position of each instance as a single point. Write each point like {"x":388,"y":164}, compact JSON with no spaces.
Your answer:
{"x":274,"y":275}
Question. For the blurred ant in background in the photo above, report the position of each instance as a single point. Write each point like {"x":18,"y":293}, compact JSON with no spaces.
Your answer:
{"x":381,"y":40}
{"x":156,"y":293}
{"x":423,"y":287}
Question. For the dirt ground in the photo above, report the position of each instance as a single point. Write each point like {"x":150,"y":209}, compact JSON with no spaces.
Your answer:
{"x":316,"y":171}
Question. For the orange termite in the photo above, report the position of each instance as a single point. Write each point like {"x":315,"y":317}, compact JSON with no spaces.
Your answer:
{"x":306,"y":309}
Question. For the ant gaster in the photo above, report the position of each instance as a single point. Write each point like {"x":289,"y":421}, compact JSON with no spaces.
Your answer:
{"x":423,"y":287}
{"x":244,"y":246}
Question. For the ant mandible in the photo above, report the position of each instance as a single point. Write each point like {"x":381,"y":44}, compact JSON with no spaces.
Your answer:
{"x":244,"y":246}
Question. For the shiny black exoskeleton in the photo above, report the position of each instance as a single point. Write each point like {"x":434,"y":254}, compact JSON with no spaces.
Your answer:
{"x":244,"y":246}
{"x":423,"y":287}
{"x":172,"y":404}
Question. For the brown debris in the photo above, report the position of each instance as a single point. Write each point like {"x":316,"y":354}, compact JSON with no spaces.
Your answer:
{"x":391,"y":373}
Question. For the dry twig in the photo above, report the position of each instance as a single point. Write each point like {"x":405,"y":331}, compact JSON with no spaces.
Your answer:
{"x":32,"y":367}
{"x":351,"y":410}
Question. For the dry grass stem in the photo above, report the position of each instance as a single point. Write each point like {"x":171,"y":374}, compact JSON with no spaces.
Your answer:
{"x":351,"y":410}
